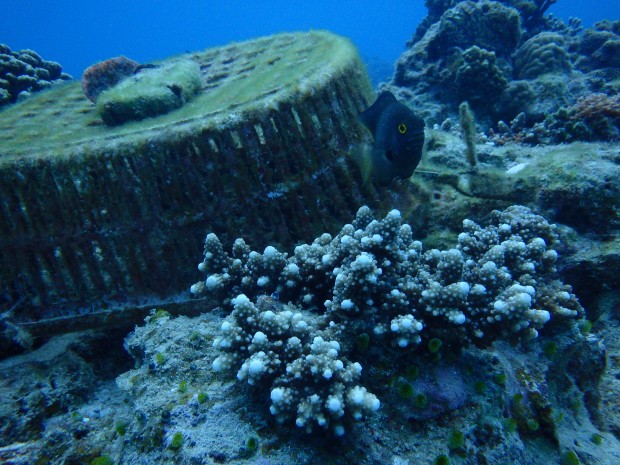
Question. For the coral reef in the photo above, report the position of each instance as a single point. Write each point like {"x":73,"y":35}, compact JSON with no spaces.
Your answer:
{"x":499,"y":66}
{"x":495,"y":399}
{"x":531,"y":12}
{"x":593,"y":117}
{"x":430,"y":67}
{"x":479,"y":80}
{"x":168,"y":389}
{"x":487,"y":24}
{"x":468,"y":45}
{"x":543,"y":53}
{"x":526,"y":405}
{"x":462,"y":342}
{"x":308,"y":380}
{"x":599,"y":48}
{"x":518,"y":98}
{"x":600,"y":113}
{"x":498,"y":283}
{"x":573,"y":184}
{"x":24,"y":72}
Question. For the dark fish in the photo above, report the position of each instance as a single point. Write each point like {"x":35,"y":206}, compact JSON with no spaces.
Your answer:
{"x":398,"y":140}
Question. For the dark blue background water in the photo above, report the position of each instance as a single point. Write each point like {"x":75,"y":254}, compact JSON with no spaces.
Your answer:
{"x":79,"y":33}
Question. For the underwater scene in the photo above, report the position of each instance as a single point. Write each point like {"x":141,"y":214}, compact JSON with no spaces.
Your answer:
{"x":313,"y":232}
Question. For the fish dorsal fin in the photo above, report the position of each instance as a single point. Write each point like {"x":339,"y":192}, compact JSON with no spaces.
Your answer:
{"x":371,"y":116}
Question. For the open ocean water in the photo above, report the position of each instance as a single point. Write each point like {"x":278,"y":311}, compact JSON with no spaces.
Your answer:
{"x":80,"y":33}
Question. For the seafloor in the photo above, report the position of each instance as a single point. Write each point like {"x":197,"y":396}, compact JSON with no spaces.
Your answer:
{"x":82,"y":397}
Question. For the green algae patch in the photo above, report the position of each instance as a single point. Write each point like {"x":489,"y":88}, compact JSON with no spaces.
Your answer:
{"x":150,"y":92}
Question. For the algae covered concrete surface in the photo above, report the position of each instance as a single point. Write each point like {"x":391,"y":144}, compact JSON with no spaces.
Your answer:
{"x":97,"y":216}
{"x":239,"y":78}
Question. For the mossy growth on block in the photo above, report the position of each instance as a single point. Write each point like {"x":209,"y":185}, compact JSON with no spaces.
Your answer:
{"x":240,"y":82}
{"x":93,"y":214}
{"x":151,"y":92}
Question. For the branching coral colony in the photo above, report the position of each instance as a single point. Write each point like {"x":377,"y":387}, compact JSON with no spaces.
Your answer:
{"x":373,"y":278}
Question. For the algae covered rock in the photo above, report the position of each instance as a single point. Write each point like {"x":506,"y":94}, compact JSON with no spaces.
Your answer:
{"x":48,"y":382}
{"x":600,"y":45}
{"x":150,"y":92}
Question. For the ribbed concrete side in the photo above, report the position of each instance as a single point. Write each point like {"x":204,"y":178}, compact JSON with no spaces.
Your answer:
{"x":123,"y":220}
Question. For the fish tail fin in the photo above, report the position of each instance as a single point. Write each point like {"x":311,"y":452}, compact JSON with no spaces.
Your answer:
{"x":362,"y":156}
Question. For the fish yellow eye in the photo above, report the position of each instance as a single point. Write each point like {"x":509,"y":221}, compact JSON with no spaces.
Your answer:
{"x":402,"y":128}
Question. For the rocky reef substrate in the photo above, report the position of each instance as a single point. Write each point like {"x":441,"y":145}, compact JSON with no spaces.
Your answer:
{"x":24,"y":72}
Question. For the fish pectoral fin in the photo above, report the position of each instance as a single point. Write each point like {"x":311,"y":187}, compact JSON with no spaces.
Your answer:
{"x":373,"y":163}
{"x":384,"y":171}
{"x":362,"y":156}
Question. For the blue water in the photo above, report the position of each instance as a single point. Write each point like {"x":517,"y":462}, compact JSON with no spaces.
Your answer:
{"x":79,"y":33}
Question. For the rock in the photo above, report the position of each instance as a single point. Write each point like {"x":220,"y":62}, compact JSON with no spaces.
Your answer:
{"x":150,"y":92}
{"x":41,"y":384}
